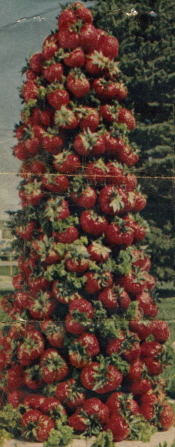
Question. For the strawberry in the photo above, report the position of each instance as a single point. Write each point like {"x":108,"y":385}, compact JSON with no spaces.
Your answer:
{"x":15,"y":377}
{"x":82,"y":350}
{"x":95,"y":407}
{"x":101,"y":378}
{"x":43,"y":306}
{"x":57,"y":96}
{"x":118,"y":233}
{"x":140,"y":386}
{"x":154,"y":366}
{"x":68,"y":235}
{"x":98,"y":252}
{"x":57,"y":183}
{"x":63,"y":294}
{"x":147,"y":411}
{"x":82,"y":13}
{"x":160,"y":331}
{"x":36,"y":426}
{"x":67,"y":163}
{"x":150,"y":349}
{"x":75,"y":58}
{"x":113,"y":200}
{"x":53,"y":72}
{"x":32,"y":377}
{"x":31,"y":348}
{"x":118,"y":426}
{"x":70,"y":394}
{"x":78,"y":422}
{"x":50,"y":47}
{"x":108,"y":45}
{"x":115,"y":174}
{"x":89,"y":142}
{"x":53,"y":366}
{"x":16,"y":397}
{"x":35,"y":62}
{"x":95,"y":282}
{"x":29,"y":90}
{"x":126,"y":117}
{"x":54,"y":332}
{"x":66,"y":18}
{"x":68,"y":38}
{"x":88,"y":37}
{"x":92,"y":223}
{"x":88,"y":118}
{"x":96,"y":171}
{"x":77,"y":83}
{"x":83,"y":195}
{"x":106,"y":90}
{"x":166,"y":418}
{"x":114,"y":346}
{"x":65,"y":118}
{"x":42,"y":117}
{"x":127,"y":156}
{"x":114,"y":297}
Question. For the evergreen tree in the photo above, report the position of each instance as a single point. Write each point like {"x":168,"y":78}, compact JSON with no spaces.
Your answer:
{"x":145,"y":31}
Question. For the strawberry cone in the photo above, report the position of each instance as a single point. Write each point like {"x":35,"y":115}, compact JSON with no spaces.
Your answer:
{"x":85,"y":330}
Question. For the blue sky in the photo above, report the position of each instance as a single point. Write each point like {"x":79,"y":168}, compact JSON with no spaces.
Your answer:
{"x":24,"y":24}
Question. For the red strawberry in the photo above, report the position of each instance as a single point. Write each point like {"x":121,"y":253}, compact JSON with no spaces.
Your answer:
{"x":77,"y":83}
{"x":68,"y":38}
{"x":35,"y":62}
{"x":53,"y":72}
{"x":54,"y":332}
{"x":88,"y":37}
{"x":108,"y":45}
{"x":98,"y":252}
{"x":31,"y":348}
{"x":67,"y":163}
{"x":53,"y":366}
{"x":50,"y":47}
{"x":166,"y":418}
{"x":95,"y":282}
{"x":89,"y":142}
{"x":82,"y":350}
{"x":88,"y":118}
{"x":113,"y":297}
{"x":160,"y":331}
{"x":117,"y":233}
{"x":147,"y":411}
{"x":29,"y":90}
{"x":70,"y":394}
{"x":78,"y":422}
{"x":36,"y":426}
{"x":92,"y":223}
{"x":118,"y":426}
{"x":150,"y":349}
{"x":65,"y":118}
{"x":57,"y":183}
{"x":41,"y":117}
{"x":96,"y":171}
{"x":126,"y":117}
{"x":100,"y":378}
{"x":57,"y":96}
{"x":95,"y":407}
{"x":75,"y":58}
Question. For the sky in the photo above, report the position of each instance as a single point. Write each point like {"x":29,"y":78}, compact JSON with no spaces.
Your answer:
{"x":24,"y":24}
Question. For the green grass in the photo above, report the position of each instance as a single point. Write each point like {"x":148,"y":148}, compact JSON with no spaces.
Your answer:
{"x":5,"y":270}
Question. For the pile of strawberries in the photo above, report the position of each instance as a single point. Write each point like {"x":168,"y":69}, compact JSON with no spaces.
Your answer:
{"x":85,"y":346}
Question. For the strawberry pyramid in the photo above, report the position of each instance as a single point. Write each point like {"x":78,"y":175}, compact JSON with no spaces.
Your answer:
{"x":85,"y":352}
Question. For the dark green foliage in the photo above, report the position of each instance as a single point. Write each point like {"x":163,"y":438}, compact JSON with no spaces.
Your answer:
{"x":145,"y":32}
